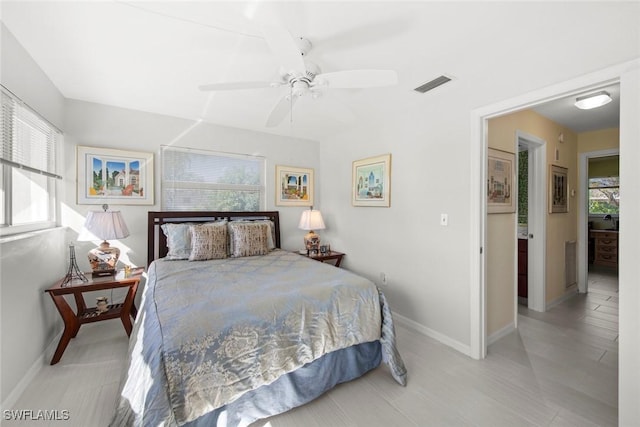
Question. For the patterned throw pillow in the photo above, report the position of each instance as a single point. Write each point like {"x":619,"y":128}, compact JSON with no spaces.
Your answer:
{"x":208,"y":241}
{"x":178,"y":241}
{"x":249,"y":239}
{"x":271,"y":233}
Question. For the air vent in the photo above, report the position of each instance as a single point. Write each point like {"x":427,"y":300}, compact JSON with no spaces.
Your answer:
{"x":438,"y":81}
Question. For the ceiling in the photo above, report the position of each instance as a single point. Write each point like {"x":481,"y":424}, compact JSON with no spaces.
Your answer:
{"x":564,"y":112}
{"x":152,"y":56}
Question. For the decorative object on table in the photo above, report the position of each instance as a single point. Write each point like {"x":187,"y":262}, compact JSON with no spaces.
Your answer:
{"x":73,"y":272}
{"x":325,"y":249}
{"x":102,"y":304}
{"x":114,"y":176}
{"x":294,"y":186}
{"x":500,"y":178}
{"x":105,"y":225}
{"x":558,"y":200}
{"x":311,"y":220}
{"x":371,"y":181}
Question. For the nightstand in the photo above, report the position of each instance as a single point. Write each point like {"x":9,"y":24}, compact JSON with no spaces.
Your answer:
{"x":72,"y":321}
{"x":329,"y":256}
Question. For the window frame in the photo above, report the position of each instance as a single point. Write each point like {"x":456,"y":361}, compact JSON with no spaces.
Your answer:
{"x":589,"y":188}
{"x":261,"y":187}
{"x":9,"y":165}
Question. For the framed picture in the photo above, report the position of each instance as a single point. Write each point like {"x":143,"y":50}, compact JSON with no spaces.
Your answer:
{"x":114,"y":177}
{"x":371,"y":181}
{"x":294,"y":186}
{"x":558,"y":196}
{"x":500,"y":180}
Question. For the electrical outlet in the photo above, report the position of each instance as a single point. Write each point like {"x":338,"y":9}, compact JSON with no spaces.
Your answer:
{"x":444,"y":219}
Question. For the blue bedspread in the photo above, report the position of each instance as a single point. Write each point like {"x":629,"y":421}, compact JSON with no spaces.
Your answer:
{"x":209,"y":332}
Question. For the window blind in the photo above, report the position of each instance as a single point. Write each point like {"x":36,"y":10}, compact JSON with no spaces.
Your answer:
{"x":27,"y":141}
{"x":207,"y":180}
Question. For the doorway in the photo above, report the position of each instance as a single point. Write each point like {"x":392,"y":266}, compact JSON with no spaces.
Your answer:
{"x":629,"y":76}
{"x":584,"y":219}
{"x":532,"y":226}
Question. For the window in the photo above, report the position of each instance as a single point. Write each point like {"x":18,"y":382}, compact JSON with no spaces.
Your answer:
{"x":604,"y":195}
{"x":28,"y":177}
{"x":207,"y":180}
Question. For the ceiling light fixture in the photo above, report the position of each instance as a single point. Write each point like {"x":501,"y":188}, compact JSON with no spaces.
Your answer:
{"x":594,"y":100}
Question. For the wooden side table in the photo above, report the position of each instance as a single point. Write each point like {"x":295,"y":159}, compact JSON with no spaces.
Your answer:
{"x":72,"y":321}
{"x":329,"y":256}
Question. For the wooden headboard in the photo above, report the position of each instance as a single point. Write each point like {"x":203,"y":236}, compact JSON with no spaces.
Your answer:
{"x":157,"y":241}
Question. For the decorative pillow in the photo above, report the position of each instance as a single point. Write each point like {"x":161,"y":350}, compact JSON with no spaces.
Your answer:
{"x":178,"y":240}
{"x":249,"y":238}
{"x":271,"y":233}
{"x":208,"y":241}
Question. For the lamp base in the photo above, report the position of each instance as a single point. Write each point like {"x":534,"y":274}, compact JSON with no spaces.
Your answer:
{"x":103,"y":260}
{"x":312,"y":242}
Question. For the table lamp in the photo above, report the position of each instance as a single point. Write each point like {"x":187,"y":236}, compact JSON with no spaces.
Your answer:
{"x":311,"y":220}
{"x":106,"y":225}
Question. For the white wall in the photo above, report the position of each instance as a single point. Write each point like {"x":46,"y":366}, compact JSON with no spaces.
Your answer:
{"x":629,"y":248}
{"x":426,"y":264}
{"x":33,"y":262}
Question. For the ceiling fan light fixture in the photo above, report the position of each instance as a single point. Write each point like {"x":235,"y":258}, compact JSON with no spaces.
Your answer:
{"x":593,"y":100}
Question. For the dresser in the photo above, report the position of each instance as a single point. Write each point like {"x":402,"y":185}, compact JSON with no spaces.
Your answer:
{"x":605,"y":247}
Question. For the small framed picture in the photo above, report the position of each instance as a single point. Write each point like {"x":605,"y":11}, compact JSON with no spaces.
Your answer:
{"x":500,"y":179}
{"x":324,"y":249}
{"x":558,"y":181}
{"x":371,"y":181}
{"x":294,"y":186}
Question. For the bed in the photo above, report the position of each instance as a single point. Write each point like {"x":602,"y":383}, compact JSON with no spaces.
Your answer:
{"x":242,"y":330}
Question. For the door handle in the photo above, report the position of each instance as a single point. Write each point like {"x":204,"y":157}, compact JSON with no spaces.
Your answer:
{"x":531,"y":236}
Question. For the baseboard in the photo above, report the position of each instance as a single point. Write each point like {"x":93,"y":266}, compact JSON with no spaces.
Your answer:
{"x":17,"y":391}
{"x":560,"y":299}
{"x":448,"y":341}
{"x":502,"y":332}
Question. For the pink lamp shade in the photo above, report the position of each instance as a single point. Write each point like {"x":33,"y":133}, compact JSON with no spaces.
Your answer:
{"x":107,"y":225}
{"x":311,"y":220}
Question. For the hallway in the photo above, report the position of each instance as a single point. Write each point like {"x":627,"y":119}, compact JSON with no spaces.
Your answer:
{"x":572,"y":350}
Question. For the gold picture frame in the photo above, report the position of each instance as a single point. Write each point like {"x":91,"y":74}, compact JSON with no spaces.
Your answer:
{"x":500,"y":181}
{"x":558,"y":189}
{"x":294,"y":186}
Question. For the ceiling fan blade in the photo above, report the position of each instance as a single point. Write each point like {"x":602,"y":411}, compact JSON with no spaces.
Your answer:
{"x":284,"y":46}
{"x":354,"y":79}
{"x":237,"y":85}
{"x":280,"y":110}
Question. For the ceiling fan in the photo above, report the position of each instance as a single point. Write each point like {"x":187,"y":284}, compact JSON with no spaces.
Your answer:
{"x":303,"y":77}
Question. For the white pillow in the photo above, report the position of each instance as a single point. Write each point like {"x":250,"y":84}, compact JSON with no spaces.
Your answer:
{"x":178,"y":240}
